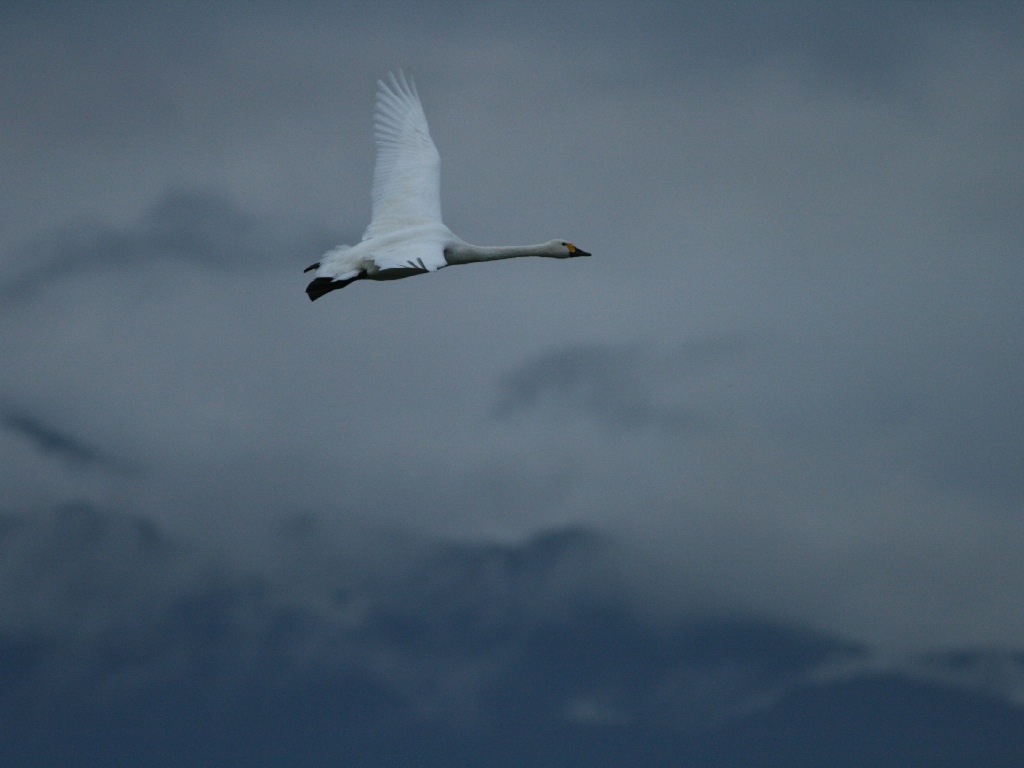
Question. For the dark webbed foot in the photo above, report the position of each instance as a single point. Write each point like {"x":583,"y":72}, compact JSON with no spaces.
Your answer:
{"x":324,"y":285}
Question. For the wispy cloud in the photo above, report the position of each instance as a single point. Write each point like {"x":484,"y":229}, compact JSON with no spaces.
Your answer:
{"x":621,"y":386}
{"x":50,"y":440}
{"x":191,"y":225}
{"x":59,"y":443}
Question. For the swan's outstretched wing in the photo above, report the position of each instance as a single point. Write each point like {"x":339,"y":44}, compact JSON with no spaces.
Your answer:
{"x":407,"y":177}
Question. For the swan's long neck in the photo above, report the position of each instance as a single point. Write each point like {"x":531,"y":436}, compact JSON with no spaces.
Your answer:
{"x":464,"y":253}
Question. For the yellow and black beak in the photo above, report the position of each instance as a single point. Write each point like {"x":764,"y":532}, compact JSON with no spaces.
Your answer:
{"x":574,"y":251}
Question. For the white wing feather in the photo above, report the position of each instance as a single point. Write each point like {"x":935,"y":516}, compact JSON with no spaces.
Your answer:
{"x":407,"y":176}
{"x":405,"y":232}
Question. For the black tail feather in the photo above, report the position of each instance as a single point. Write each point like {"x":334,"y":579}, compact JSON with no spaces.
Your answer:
{"x":311,"y":267}
{"x":324,"y":285}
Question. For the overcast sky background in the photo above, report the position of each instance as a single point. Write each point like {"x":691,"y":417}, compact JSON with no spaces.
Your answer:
{"x":789,"y":383}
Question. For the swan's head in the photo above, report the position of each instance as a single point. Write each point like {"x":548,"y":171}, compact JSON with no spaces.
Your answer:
{"x":562,"y":249}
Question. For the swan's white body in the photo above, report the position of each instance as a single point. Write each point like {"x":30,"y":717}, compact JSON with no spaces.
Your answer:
{"x":406,"y":236}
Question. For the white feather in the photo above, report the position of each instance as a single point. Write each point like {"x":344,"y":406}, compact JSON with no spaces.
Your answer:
{"x":407,"y":177}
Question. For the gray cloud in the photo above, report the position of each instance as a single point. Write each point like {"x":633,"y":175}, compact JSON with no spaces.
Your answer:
{"x":51,"y":440}
{"x":620,"y":386}
{"x":187,"y":225}
{"x":143,"y":610}
{"x":109,"y":620}
{"x":759,"y":446}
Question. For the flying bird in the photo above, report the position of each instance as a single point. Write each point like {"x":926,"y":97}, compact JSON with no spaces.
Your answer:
{"x":406,"y":236}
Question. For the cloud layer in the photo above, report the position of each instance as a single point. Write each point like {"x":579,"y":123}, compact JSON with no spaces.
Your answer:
{"x":120,"y":639}
{"x":780,"y":408}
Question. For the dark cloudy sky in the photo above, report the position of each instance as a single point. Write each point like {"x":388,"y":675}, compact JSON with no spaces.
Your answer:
{"x":788,"y":385}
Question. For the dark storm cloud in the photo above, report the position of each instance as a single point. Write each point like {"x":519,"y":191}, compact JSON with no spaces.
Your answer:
{"x":112,"y":628}
{"x":440,"y":637}
{"x":443,"y":633}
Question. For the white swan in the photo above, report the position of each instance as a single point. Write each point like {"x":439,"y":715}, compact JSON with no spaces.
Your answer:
{"x":406,"y":236}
